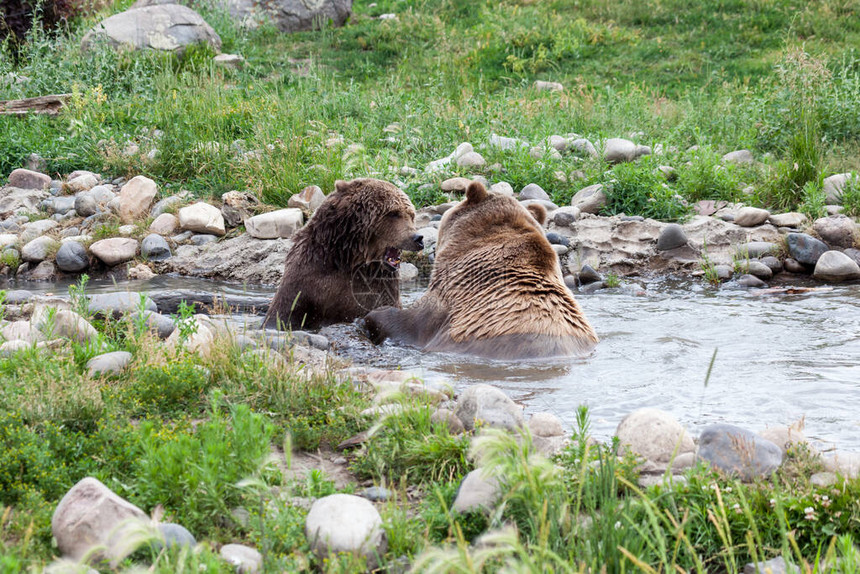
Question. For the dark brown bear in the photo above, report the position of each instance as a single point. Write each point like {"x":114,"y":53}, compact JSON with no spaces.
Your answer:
{"x":496,"y":289}
{"x":344,"y":262}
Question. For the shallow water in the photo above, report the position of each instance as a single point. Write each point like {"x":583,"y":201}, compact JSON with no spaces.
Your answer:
{"x":779,"y":358}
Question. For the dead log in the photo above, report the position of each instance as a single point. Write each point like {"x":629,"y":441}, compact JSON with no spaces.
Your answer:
{"x":40,"y":105}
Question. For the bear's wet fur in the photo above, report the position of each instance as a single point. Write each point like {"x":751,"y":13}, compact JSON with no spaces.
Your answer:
{"x":344,"y":262}
{"x":496,"y":289}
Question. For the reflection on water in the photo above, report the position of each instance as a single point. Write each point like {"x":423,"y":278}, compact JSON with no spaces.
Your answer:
{"x":779,"y":357}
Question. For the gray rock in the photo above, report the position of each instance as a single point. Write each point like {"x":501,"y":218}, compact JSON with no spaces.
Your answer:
{"x":478,"y":491}
{"x":668,"y":172}
{"x":449,"y":419}
{"x":345,"y":523}
{"x":166,"y":204}
{"x":18,"y":296}
{"x":376,"y":494}
{"x":741,"y":156}
{"x":619,"y":150}
{"x":91,"y":515}
{"x":70,"y":232}
{"x":654,"y":435}
{"x":853,"y":254}
{"x":161,"y":325}
{"x":234,"y":61}
{"x":490,"y":405}
{"x":671,"y":237}
{"x":308,"y":200}
{"x":72,"y":257}
{"x":804,"y":248}
{"x":119,"y":303}
{"x":724,"y":272}
{"x":846,"y":464}
{"x":86,"y":204}
{"x":791,"y":219}
{"x":44,"y":271}
{"x":39,"y":249}
{"x":833,"y":187}
{"x":534,"y":191}
{"x":507,"y":144}
{"x":471,"y":159}
{"x":244,"y":559}
{"x":286,"y":15}
{"x":23,"y":331}
{"x":836,"y":230}
{"x":565,"y":216}
{"x":735,"y":450}
{"x":169,"y":27}
{"x":81,"y":181}
{"x":36,"y":229}
{"x":751,"y":281}
{"x":109,"y":363}
{"x":823,"y":479}
{"x":548,"y":205}
{"x":64,"y":323}
{"x":455,"y":184}
{"x":282,"y":224}
{"x":557,"y":239}
{"x":155,"y":248}
{"x":584,"y":147}
{"x":202,"y":239}
{"x":203,"y":218}
{"x":502,"y":188}
{"x":103,"y":194}
{"x":589,"y":199}
{"x":311,"y":339}
{"x":115,"y":250}
{"x":835,"y":267}
{"x":62,"y":205}
{"x":587,"y":274}
{"x":545,"y":86}
{"x":174,"y":536}
{"x":547,"y":433}
{"x":792,"y":266}
{"x":760,"y":270}
{"x":773,"y":263}
{"x":28,"y":179}
{"x":751,"y":216}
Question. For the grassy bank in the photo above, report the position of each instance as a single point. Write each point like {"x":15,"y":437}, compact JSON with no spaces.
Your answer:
{"x":780,"y":78}
{"x":210,"y":440}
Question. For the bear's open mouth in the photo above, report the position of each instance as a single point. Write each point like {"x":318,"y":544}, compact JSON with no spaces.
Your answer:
{"x":392,"y":257}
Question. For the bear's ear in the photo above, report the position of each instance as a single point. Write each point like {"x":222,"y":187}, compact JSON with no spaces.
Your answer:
{"x":341,"y":185}
{"x":538,"y":212}
{"x":476,"y":192}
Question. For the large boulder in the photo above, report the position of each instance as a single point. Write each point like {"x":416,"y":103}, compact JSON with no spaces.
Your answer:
{"x":27,"y":179}
{"x":836,"y":230}
{"x":345,"y":523}
{"x":168,"y":27}
{"x":804,"y":248}
{"x":654,"y":435}
{"x":835,"y":266}
{"x":735,"y":450}
{"x":91,"y":515}
{"x":135,"y":198}
{"x":282,"y":223}
{"x":201,"y":217}
{"x":287,"y":15}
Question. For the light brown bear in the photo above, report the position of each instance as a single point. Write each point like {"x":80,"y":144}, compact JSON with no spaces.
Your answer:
{"x":496,"y":289}
{"x":344,"y":262}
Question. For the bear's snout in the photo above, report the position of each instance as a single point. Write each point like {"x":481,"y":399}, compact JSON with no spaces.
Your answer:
{"x":418,"y":240}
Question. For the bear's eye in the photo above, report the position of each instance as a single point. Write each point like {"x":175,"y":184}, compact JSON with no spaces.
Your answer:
{"x":393,"y":214}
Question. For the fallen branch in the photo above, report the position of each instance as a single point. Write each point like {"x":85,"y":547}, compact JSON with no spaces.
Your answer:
{"x":40,"y":105}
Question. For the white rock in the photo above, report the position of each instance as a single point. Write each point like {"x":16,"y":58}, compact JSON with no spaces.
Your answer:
{"x":282,"y":223}
{"x":751,"y":216}
{"x":589,"y":199}
{"x":502,"y":188}
{"x":478,"y":491}
{"x":39,"y":249}
{"x":200,"y":341}
{"x":136,"y":197}
{"x":489,"y":405}
{"x":835,"y":266}
{"x":7,"y":239}
{"x":506,"y":144}
{"x":471,"y":159}
{"x":462,"y":149}
{"x":202,"y":218}
{"x":21,"y":331}
{"x":345,"y":523}
{"x":740,"y":156}
{"x":654,"y":435}
{"x":109,"y":363}
{"x":548,"y":86}
{"x":115,"y":250}
{"x":833,"y":187}
{"x":229,"y":61}
{"x":618,"y":150}
{"x":245,"y":559}
{"x":83,"y":182}
{"x":91,"y":515}
{"x":64,"y":323}
{"x":36,"y":229}
{"x":791,"y":219}
{"x":164,"y":224}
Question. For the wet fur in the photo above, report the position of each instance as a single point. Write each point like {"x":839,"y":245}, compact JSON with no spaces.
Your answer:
{"x":333,"y":272}
{"x":496,"y":289}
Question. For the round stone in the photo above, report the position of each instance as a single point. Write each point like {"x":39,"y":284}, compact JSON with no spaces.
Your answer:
{"x":86,"y":204}
{"x":654,"y":435}
{"x":804,"y":248}
{"x":345,"y":523}
{"x":534,"y":191}
{"x":155,"y":248}
{"x":671,"y":237}
{"x":72,"y":257}
{"x":835,"y":266}
{"x":735,"y":450}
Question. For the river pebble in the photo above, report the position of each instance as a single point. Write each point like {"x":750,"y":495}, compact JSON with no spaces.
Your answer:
{"x":760,"y":270}
{"x":654,"y":435}
{"x":345,"y":523}
{"x":836,"y":230}
{"x":835,"y":266}
{"x":174,"y":536}
{"x":534,"y":191}
{"x":109,"y":363}
{"x":155,"y":248}
{"x":735,"y":450}
{"x":489,"y":405}
{"x":244,"y":559}
{"x":115,"y":250}
{"x":72,"y":257}
{"x":804,"y":248}
{"x":478,"y":491}
{"x":589,"y":199}
{"x":671,"y":237}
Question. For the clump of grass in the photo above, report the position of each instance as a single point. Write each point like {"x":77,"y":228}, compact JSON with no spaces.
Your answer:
{"x":851,"y":196}
{"x":636,"y":188}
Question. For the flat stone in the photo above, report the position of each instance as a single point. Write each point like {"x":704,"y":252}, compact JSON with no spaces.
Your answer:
{"x":345,"y":523}
{"x":28,"y":179}
{"x":244,"y":559}
{"x":752,"y":281}
{"x":282,"y":223}
{"x":119,"y":303}
{"x":109,"y":363}
{"x":72,"y":257}
{"x":741,"y":156}
{"x":751,"y":216}
{"x":804,"y":248}
{"x":589,"y":199}
{"x":671,"y":237}
{"x":36,"y":229}
{"x":735,"y":450}
{"x":202,"y":238}
{"x":164,"y":224}
{"x":201,"y":217}
{"x":836,"y":230}
{"x":234,"y":61}
{"x":489,"y":405}
{"x":83,"y":182}
{"x":534,"y":191}
{"x":760,"y":270}
{"x":791,"y":219}
{"x":90,"y":515}
{"x":835,"y":267}
{"x":619,"y":150}
{"x":115,"y":250}
{"x":155,"y":248}
{"x":478,"y":492}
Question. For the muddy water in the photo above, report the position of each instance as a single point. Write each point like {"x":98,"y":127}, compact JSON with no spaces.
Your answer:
{"x":779,"y":358}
